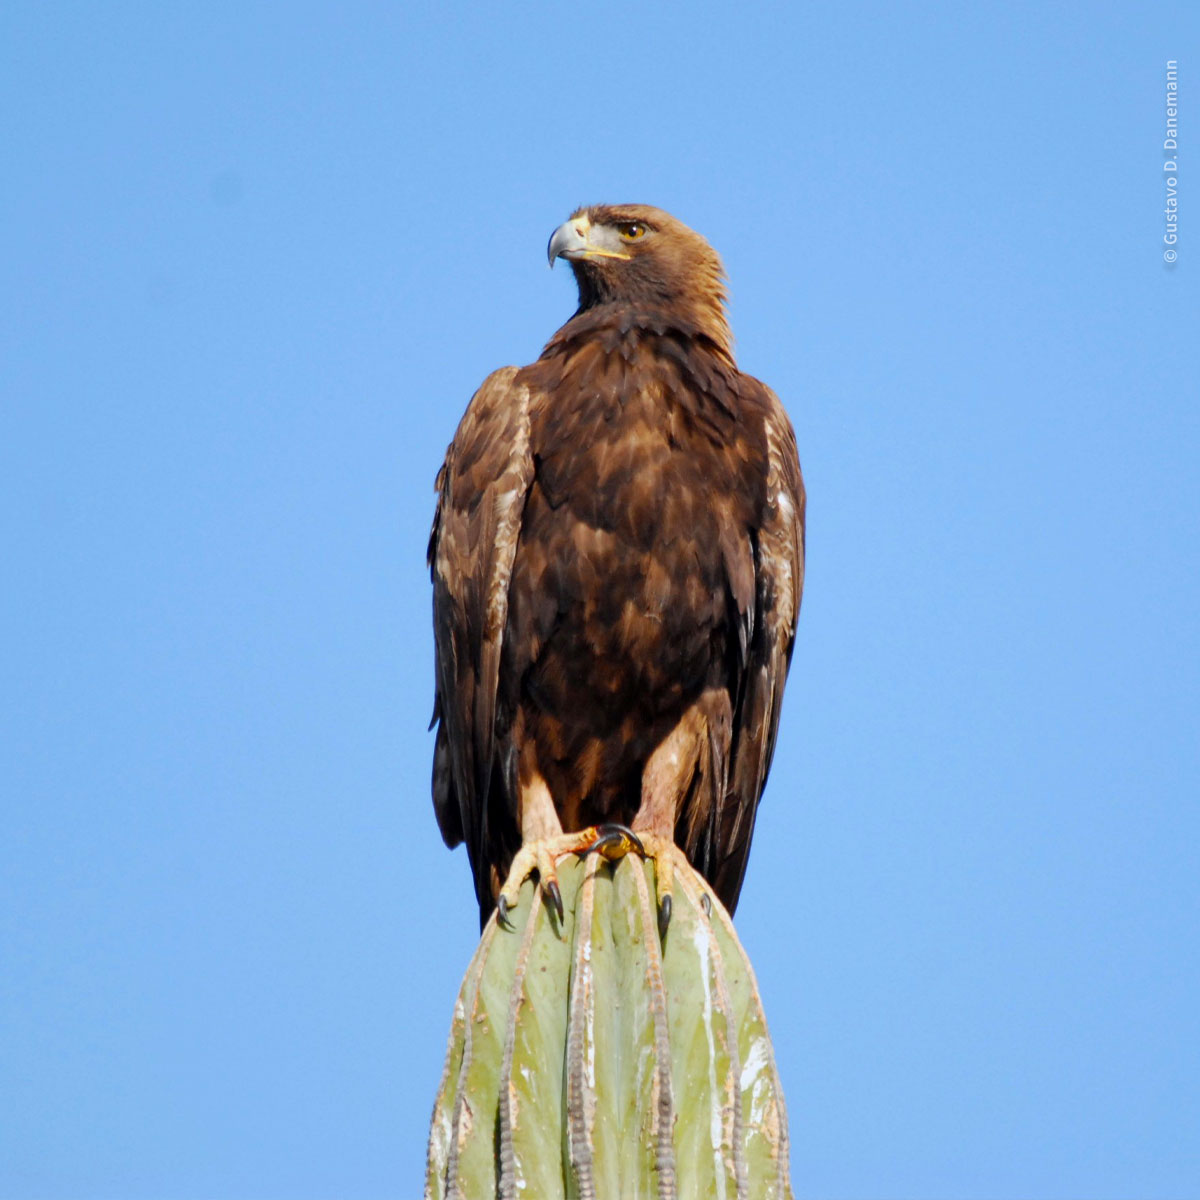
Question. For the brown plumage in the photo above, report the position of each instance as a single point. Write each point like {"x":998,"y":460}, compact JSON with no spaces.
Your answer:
{"x":617,"y":560}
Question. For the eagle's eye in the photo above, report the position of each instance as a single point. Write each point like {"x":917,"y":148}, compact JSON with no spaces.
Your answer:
{"x":631,"y":230}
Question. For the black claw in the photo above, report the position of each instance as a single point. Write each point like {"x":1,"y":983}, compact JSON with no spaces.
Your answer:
{"x":633,"y":837}
{"x":664,"y":915}
{"x":502,"y":913}
{"x":706,"y":904}
{"x":552,"y":890}
{"x":613,"y":834}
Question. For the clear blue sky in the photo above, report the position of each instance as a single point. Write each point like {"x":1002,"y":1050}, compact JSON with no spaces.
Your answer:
{"x":257,"y":257}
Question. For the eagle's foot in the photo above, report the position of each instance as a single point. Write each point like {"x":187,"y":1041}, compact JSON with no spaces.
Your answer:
{"x":612,"y":841}
{"x":662,"y":851}
{"x":541,"y":854}
{"x":615,"y":841}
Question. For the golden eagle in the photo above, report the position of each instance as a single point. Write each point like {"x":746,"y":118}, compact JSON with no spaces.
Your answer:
{"x":617,"y":560}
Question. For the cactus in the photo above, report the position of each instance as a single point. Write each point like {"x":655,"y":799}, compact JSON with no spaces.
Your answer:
{"x":593,"y":1061}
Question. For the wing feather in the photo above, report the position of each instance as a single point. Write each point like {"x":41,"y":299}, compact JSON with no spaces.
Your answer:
{"x":482,"y":488}
{"x":779,"y":582}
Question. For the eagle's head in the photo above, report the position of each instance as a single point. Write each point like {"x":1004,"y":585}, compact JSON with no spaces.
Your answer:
{"x":640,"y":256}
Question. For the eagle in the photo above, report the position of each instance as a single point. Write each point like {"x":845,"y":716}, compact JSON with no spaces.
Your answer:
{"x":617,"y":558}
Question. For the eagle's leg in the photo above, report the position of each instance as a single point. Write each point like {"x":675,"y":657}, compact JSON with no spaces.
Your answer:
{"x":540,"y":828}
{"x":666,"y":780}
{"x":686,"y":775}
{"x":543,"y":843}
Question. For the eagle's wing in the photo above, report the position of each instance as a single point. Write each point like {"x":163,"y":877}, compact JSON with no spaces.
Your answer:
{"x":779,"y":581}
{"x":481,"y":496}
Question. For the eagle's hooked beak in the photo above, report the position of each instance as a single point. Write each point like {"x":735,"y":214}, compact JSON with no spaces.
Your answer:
{"x":579,"y":239}
{"x":569,"y":240}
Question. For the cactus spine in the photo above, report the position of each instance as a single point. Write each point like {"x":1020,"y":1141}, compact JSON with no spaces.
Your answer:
{"x":594,"y":1062}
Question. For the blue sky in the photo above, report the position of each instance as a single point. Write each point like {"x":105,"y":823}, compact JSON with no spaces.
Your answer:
{"x":257,"y":259}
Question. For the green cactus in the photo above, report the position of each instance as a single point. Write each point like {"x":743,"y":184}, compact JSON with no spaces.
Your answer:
{"x":593,"y":1061}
